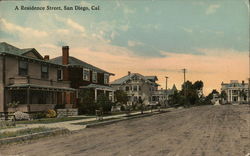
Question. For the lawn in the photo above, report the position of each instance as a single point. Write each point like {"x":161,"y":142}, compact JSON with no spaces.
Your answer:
{"x":23,"y":132}
{"x":51,"y":120}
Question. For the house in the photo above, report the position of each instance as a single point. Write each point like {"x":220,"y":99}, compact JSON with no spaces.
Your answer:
{"x":161,"y":96}
{"x":31,"y":81}
{"x":137,"y":87}
{"x":84,"y":76}
{"x":236,"y":92}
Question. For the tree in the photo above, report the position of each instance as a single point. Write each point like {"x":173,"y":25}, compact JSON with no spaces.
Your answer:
{"x":121,"y":97}
{"x":188,"y":96}
{"x":103,"y":103}
{"x":210,"y":97}
{"x":141,"y":104}
{"x":223,"y":95}
{"x":242,"y":95}
{"x":87,"y":103}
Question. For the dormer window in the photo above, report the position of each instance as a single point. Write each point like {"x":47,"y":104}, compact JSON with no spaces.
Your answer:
{"x":106,"y":78}
{"x":85,"y":74}
{"x":94,"y":77}
{"x":23,"y":68}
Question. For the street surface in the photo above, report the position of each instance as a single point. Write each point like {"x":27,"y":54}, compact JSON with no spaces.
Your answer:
{"x":198,"y":131}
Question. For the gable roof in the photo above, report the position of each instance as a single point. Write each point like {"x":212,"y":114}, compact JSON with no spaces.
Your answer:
{"x":7,"y":49}
{"x":10,"y":49}
{"x":128,"y":77}
{"x":73,"y":62}
{"x":154,"y":78}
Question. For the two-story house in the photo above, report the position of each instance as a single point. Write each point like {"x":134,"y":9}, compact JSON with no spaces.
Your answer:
{"x":31,"y":81}
{"x":236,"y":92}
{"x":137,"y":87}
{"x":84,"y":76}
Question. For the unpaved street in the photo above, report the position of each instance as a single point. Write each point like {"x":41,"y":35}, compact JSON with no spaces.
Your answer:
{"x":198,"y":131}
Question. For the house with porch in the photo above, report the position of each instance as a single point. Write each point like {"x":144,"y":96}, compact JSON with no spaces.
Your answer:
{"x":84,"y":76}
{"x":236,"y":92}
{"x":137,"y":87}
{"x":31,"y":81}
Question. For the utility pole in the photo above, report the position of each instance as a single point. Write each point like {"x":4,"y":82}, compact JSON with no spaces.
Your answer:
{"x":166,"y":83}
{"x":184,"y":84}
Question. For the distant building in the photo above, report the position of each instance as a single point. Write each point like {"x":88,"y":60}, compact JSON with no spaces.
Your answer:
{"x":144,"y":87}
{"x":137,"y":86}
{"x":235,"y":92}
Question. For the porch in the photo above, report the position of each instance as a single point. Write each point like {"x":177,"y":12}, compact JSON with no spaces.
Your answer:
{"x":101,"y":89}
{"x":37,"y":98}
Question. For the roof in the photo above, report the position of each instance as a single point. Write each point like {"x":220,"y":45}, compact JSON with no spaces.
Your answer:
{"x":27,"y":85}
{"x":154,"y":78}
{"x":97,"y":86}
{"x":76,"y":62}
{"x":127,"y":77}
{"x":10,"y":49}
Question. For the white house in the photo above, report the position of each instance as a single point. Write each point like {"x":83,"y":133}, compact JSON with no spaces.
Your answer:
{"x":137,"y":86}
{"x":235,"y":92}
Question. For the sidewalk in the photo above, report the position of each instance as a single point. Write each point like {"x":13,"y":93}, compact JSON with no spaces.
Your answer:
{"x":70,"y":125}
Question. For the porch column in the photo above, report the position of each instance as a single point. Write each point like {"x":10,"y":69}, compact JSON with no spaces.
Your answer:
{"x":231,"y":95}
{"x":28,"y":96}
{"x":113,"y":96}
{"x":28,"y":99}
{"x":95,"y":94}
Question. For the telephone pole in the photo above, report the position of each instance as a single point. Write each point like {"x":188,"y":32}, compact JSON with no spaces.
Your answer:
{"x":184,"y":84}
{"x":166,"y":83}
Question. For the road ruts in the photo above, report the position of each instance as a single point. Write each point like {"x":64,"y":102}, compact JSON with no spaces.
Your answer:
{"x":197,"y":131}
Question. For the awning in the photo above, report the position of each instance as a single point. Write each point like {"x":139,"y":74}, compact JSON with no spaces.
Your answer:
{"x":99,"y":87}
{"x":39,"y":87}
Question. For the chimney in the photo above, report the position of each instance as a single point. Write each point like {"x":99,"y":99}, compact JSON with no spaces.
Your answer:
{"x":129,"y":72}
{"x":65,"y":61}
{"x":46,"y":58}
{"x":65,"y":55}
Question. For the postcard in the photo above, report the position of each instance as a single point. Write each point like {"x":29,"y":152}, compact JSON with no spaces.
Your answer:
{"x":125,"y":77}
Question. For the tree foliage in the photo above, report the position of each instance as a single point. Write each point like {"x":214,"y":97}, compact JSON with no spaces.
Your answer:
{"x":188,"y":96}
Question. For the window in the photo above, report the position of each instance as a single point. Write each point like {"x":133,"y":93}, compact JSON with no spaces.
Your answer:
{"x":86,"y":74}
{"x":59,"y":74}
{"x":134,"y":88}
{"x":106,"y":78}
{"x":139,"y":88}
{"x":127,"y":88}
{"x":23,"y":68}
{"x":94,"y":77}
{"x":44,"y":72}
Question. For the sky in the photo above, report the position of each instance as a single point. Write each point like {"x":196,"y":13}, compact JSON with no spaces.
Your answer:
{"x":209,"y":38}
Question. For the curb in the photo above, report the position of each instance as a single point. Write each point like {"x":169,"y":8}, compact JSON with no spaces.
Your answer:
{"x":123,"y":119}
{"x":34,"y":136}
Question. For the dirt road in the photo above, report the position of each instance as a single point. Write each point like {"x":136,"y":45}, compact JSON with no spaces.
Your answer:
{"x":198,"y":131}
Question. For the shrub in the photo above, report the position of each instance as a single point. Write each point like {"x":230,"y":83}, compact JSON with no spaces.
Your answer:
{"x":21,"y":116}
{"x":51,"y":113}
{"x":39,"y":115}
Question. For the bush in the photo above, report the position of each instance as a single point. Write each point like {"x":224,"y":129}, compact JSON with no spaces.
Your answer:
{"x":39,"y":115}
{"x":21,"y":116}
{"x":51,"y":113}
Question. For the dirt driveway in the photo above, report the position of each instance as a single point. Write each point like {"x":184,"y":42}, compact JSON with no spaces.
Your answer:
{"x":198,"y":131}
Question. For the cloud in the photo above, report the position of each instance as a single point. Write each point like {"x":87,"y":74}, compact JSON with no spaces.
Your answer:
{"x":188,"y":30}
{"x":63,"y":31}
{"x":13,"y":29}
{"x":212,"y":9}
{"x":48,"y":45}
{"x":129,"y":11}
{"x":71,"y":23}
{"x":134,"y":43}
